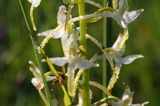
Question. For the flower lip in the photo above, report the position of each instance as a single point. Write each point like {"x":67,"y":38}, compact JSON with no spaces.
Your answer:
{"x":37,"y":83}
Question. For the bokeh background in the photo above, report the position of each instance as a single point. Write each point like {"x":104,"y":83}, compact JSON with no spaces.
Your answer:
{"x":143,"y":75}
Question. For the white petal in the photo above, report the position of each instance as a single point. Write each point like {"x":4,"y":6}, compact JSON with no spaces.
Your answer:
{"x":70,"y":43}
{"x":143,"y":104}
{"x":117,"y":42}
{"x":123,"y":5}
{"x":55,"y":33}
{"x":131,"y":16}
{"x":130,"y":59}
{"x":35,"y":70}
{"x":50,"y":78}
{"x":59,"y":61}
{"x":45,"y":33}
{"x":97,"y":57}
{"x":127,"y":97}
{"x":84,"y":64}
{"x":37,"y":83}
{"x":61,"y":16}
{"x":135,"y":105}
{"x":35,"y":3}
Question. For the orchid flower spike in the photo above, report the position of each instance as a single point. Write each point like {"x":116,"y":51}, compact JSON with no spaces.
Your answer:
{"x":37,"y":80}
{"x":122,"y":16}
{"x":127,"y":99}
{"x":34,"y":4}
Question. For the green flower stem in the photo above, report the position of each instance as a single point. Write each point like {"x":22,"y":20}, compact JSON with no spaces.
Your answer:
{"x":85,"y":76}
{"x":36,"y":55}
{"x":43,"y":98}
{"x":104,"y":73}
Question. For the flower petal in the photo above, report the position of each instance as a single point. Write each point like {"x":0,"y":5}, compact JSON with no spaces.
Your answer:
{"x":37,"y":83}
{"x":131,"y":16}
{"x":59,"y":61}
{"x":50,"y":78}
{"x":130,"y":59}
{"x":34,"y":69}
{"x":70,"y":43}
{"x":84,"y":64}
{"x":119,"y":44}
{"x":35,"y":3}
{"x":61,"y":16}
{"x":97,"y":57}
{"x":123,"y":6}
{"x":127,"y":97}
{"x":56,"y":33}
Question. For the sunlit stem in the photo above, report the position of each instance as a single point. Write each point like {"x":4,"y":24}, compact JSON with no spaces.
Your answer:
{"x":32,"y":18}
{"x":43,"y":98}
{"x":85,"y":77}
{"x":113,"y":79}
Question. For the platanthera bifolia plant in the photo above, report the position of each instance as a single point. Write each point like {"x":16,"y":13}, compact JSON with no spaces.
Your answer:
{"x":73,"y":78}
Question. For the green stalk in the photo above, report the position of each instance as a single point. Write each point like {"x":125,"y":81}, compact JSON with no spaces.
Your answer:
{"x":36,"y":55}
{"x":85,"y":76}
{"x":104,"y":73}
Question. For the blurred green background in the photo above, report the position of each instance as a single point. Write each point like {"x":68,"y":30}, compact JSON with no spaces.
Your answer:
{"x":143,"y":76}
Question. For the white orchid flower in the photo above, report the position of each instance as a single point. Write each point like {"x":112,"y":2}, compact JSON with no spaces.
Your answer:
{"x":115,"y":52}
{"x":37,"y":80}
{"x":114,"y":56}
{"x":127,"y":99}
{"x":60,"y":30}
{"x":122,"y":16}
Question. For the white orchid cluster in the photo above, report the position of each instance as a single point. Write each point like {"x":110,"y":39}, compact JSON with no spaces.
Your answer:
{"x":73,"y":58}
